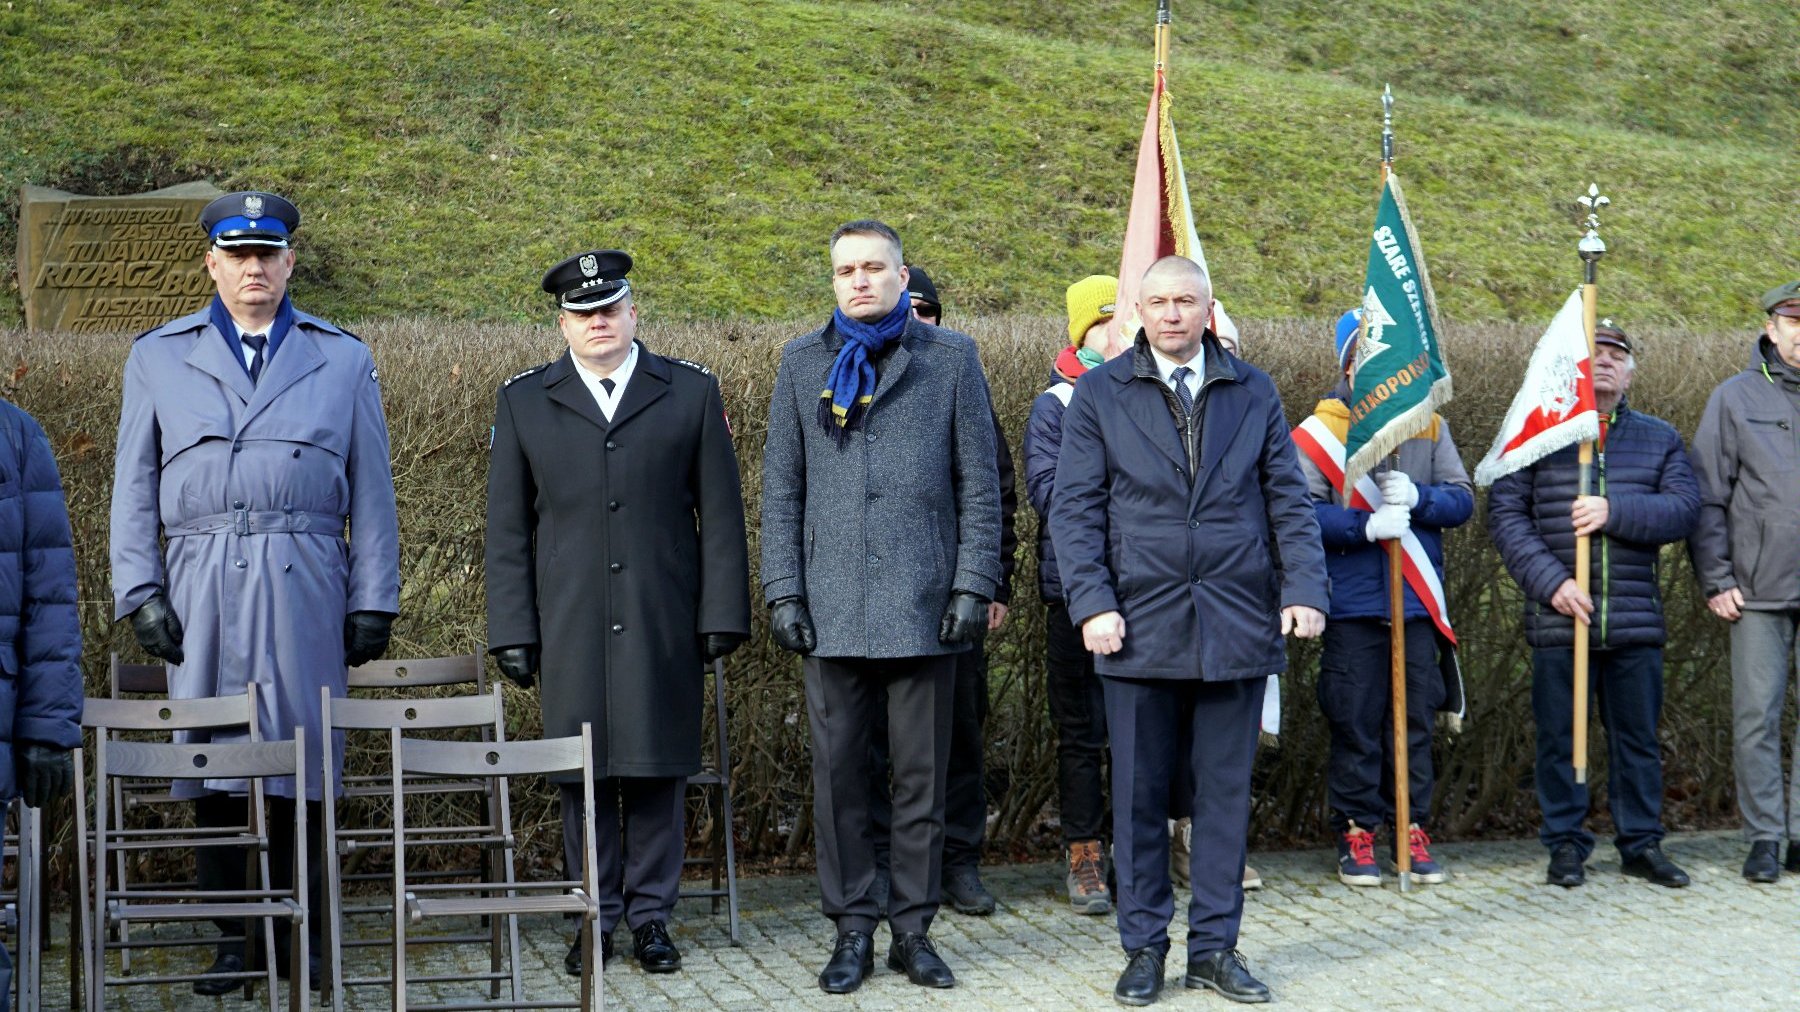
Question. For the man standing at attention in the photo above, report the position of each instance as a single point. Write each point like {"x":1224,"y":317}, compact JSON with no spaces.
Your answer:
{"x":254,"y":532}
{"x":1188,"y":549}
{"x":880,"y":557}
{"x":616,"y":558}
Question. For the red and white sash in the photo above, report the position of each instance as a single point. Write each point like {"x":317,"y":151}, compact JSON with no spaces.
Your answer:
{"x":1323,"y":447}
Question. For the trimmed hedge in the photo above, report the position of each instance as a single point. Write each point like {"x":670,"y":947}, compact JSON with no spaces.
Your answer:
{"x":439,"y":379}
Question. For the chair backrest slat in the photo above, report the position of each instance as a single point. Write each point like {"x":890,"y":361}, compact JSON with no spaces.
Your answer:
{"x":351,"y":713}
{"x":167,"y":714}
{"x":486,"y":759}
{"x":409,"y":672}
{"x":226,"y":761}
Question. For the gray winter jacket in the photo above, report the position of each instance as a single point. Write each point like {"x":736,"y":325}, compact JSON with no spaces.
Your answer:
{"x":1747,"y":457}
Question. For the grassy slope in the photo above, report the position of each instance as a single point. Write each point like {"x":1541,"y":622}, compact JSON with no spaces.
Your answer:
{"x":446,"y":152}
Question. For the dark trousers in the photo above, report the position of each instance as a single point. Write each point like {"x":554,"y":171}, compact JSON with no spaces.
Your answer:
{"x":965,"y":786}
{"x":1078,"y":709}
{"x":1627,"y":688}
{"x":1356,"y":696}
{"x":219,"y":868}
{"x":843,"y":695}
{"x":1158,"y":726}
{"x":639,"y":843}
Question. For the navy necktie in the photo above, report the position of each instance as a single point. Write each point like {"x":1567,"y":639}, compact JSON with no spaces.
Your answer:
{"x":607,"y":385}
{"x":1181,"y":390}
{"x":257,"y":343}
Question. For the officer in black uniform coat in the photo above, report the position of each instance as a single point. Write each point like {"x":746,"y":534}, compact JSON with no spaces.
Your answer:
{"x":616,"y":562}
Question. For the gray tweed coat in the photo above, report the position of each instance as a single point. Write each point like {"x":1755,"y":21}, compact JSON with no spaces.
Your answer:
{"x":877,"y":533}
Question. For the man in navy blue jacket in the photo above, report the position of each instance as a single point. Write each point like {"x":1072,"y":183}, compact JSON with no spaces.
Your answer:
{"x":1188,"y":549}
{"x":1644,"y":497}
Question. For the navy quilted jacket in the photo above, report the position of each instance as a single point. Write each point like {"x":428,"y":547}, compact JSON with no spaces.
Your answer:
{"x":40,"y":634}
{"x":1652,"y":500}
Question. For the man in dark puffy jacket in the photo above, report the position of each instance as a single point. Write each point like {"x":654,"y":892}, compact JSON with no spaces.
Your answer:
{"x":40,"y":633}
{"x":1413,"y":503}
{"x":1746,"y":557}
{"x":1644,"y":497}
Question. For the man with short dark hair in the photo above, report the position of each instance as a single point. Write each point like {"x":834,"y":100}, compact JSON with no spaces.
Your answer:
{"x":255,"y":538}
{"x":880,"y":556}
{"x":1643,"y":497}
{"x":1188,"y":549}
{"x":1747,"y":559}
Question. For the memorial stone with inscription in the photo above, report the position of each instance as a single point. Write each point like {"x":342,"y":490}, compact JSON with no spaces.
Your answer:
{"x":104,"y":265}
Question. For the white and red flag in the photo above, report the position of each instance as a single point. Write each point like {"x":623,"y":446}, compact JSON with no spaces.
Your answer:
{"x":1555,"y":404}
{"x":1161,"y":221}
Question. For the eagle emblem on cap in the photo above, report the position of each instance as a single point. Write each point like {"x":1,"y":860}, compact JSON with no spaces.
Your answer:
{"x":589,"y":265}
{"x":253,"y":206}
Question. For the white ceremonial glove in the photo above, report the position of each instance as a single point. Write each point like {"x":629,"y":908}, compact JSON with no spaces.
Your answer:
{"x":1388,"y":522}
{"x":1398,"y":489}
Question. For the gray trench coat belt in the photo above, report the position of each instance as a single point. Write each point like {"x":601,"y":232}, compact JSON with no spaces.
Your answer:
{"x":245,"y":522}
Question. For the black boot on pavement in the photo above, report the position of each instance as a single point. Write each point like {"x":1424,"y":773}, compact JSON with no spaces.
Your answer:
{"x":1565,"y":867}
{"x":913,"y":955}
{"x":963,"y":888}
{"x":852,"y":960}
{"x":1650,"y":863}
{"x":224,"y":963}
{"x":1762,"y":864}
{"x":1226,"y":972}
{"x":1142,"y":980}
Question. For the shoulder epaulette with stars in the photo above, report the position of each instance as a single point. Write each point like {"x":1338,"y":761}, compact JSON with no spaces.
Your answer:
{"x":697,"y":367}
{"x":535,"y":368}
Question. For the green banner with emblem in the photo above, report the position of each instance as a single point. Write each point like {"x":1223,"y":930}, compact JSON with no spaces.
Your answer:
{"x":1397,"y":374}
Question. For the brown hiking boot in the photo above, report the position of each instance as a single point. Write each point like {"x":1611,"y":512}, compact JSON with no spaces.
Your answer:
{"x":1087,"y":878}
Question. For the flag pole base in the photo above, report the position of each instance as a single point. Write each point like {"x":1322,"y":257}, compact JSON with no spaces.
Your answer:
{"x":1406,"y":881}
{"x":1581,"y":774}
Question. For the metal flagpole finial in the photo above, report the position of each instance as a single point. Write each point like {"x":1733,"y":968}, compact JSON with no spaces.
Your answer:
{"x":1162,"y":12}
{"x":1591,"y":246}
{"x":1387,"y":123}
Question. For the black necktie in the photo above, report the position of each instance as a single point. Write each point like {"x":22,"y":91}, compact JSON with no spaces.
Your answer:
{"x":256,"y":342}
{"x":1182,"y":393}
{"x":607,"y":385}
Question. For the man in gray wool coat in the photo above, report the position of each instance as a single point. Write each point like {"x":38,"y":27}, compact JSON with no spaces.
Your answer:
{"x":880,"y":555}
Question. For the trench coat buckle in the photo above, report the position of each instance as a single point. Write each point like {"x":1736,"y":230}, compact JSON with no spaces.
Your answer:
{"x":240,"y":521}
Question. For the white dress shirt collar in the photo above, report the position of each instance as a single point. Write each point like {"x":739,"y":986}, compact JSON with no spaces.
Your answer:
{"x":608,"y":402}
{"x":1165,"y":367}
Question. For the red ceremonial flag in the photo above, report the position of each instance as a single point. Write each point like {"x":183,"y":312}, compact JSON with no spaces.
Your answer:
{"x":1555,"y":404}
{"x":1161,"y":222}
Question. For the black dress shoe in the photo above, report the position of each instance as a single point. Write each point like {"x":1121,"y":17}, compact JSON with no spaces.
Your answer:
{"x":654,"y":949}
{"x":852,"y":960}
{"x":572,"y":961}
{"x":1651,"y":863}
{"x":1565,"y":867}
{"x":1142,"y":980}
{"x":223,"y":985}
{"x":1226,"y":972}
{"x":1761,"y":865}
{"x":913,"y":955}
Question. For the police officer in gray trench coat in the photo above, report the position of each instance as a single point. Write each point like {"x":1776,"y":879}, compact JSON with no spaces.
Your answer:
{"x":616,"y":556}
{"x":254,"y":530}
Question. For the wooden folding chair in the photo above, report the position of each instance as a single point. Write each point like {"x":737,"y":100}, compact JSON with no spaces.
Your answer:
{"x":493,"y":838}
{"x":107,"y":719}
{"x":722,"y":860}
{"x":416,"y":902}
{"x":252,"y":762}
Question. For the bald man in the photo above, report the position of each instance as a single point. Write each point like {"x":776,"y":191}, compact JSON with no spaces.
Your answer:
{"x":1188,"y":550}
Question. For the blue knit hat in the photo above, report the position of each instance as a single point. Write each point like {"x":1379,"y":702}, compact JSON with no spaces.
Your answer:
{"x":1346,"y":336}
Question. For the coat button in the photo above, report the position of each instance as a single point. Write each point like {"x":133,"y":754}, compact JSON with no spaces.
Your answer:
{"x":614,"y":505}
{"x":611,"y":445}
{"x":240,"y":563}
{"x":870,"y":437}
{"x":296,"y":454}
{"x":237,"y":448}
{"x":1193,"y":523}
{"x":1196,"y":580}
{"x":873,"y":559}
{"x":617,"y":629}
{"x":237,"y":504}
{"x":616,"y":567}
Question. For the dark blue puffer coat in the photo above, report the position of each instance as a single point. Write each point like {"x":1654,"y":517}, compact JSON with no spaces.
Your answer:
{"x":40,"y":634}
{"x":1652,"y":500}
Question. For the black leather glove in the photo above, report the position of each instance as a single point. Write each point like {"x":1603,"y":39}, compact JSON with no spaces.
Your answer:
{"x":366,"y":636}
{"x":518,"y":664}
{"x":158,"y":630}
{"x":792,"y":626}
{"x":716,"y":645}
{"x":965,"y":619}
{"x":45,"y":773}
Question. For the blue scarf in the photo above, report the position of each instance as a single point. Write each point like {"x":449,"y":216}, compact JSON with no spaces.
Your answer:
{"x":228,"y":329}
{"x":850,"y":385}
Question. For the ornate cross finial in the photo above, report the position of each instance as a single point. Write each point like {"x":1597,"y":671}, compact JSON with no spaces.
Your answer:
{"x":1591,"y":246}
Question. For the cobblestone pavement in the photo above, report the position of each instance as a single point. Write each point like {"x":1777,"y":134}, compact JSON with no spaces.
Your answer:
{"x":1494,"y":936}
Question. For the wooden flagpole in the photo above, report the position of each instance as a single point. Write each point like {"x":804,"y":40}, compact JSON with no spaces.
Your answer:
{"x":1591,"y":249}
{"x":1397,"y":608}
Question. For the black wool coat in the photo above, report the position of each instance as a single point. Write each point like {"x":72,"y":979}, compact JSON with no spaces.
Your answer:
{"x":615,"y":546}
